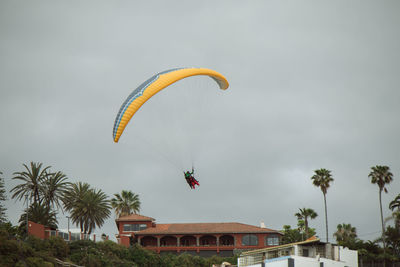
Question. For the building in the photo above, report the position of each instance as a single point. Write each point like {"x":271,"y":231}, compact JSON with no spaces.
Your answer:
{"x":44,"y":232}
{"x":203,"y":239}
{"x":309,"y":253}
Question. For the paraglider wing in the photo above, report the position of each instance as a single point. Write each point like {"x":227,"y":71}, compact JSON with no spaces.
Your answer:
{"x":152,"y":86}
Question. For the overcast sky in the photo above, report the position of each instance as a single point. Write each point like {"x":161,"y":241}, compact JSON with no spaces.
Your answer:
{"x":313,"y":84}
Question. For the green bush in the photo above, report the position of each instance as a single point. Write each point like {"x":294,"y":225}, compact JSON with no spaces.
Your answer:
{"x":37,"y":244}
{"x":12,"y":251}
{"x":58,"y":247}
{"x":143,"y":257}
{"x":37,"y":252}
{"x":37,"y":262}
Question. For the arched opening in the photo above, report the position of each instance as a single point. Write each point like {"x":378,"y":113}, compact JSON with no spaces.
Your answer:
{"x":226,"y":240}
{"x":208,"y":240}
{"x":168,"y":241}
{"x":188,"y":241}
{"x":148,"y":241}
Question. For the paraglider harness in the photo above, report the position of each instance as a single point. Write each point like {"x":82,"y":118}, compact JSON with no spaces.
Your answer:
{"x":192,"y":182}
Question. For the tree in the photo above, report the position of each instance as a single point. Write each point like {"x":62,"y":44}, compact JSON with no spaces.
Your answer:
{"x":31,"y":178}
{"x":396,"y":214}
{"x":3,"y":197}
{"x":39,"y":213}
{"x":395,"y":203}
{"x":291,"y":235}
{"x":322,"y":179}
{"x":345,"y":234}
{"x":381,"y":176}
{"x":304,"y":214}
{"x":88,"y":208}
{"x":126,"y":203}
{"x":392,"y":237}
{"x":53,"y":188}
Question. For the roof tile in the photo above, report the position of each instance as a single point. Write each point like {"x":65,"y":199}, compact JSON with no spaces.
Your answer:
{"x":134,"y":217}
{"x":204,"y":228}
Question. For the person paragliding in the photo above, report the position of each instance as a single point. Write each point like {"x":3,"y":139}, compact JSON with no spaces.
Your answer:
{"x":192,"y":182}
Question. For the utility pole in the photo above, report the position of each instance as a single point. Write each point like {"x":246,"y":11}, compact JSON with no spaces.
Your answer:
{"x":27,"y":220}
{"x":69,"y":239}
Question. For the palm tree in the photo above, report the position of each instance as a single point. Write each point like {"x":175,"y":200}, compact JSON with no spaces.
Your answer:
{"x":304,"y":214}
{"x":53,"y":188}
{"x":88,"y":208}
{"x":322,"y":179}
{"x":381,"y":176}
{"x":31,"y":178}
{"x":345,"y":233}
{"x":126,"y":203}
{"x":72,"y":196}
{"x":395,"y":203}
{"x":39,"y":213}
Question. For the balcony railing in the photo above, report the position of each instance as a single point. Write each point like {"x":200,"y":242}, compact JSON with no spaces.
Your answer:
{"x":74,"y":236}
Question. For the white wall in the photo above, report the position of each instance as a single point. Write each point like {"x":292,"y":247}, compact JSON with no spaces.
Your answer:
{"x":332,"y":263}
{"x":349,"y":256}
{"x":281,"y":263}
{"x":255,"y":265}
{"x":305,"y":262}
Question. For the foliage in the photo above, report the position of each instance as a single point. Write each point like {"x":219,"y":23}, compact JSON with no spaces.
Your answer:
{"x":53,"y":188}
{"x":345,"y":234}
{"x":58,"y":247}
{"x":3,"y":197}
{"x":392,"y":236}
{"x":88,"y":207}
{"x":13,"y":250}
{"x":381,"y":176}
{"x":44,"y":189}
{"x":108,"y":253}
{"x":126,"y":203}
{"x":31,"y":180}
{"x":395,"y":203}
{"x":322,"y":179}
{"x":39,"y":213}
{"x":143,"y":257}
{"x":9,"y":231}
{"x":302,"y":217}
{"x":291,"y":235}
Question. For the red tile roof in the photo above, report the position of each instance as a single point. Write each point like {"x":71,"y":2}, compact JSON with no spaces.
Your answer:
{"x":134,"y":217}
{"x":204,"y":228}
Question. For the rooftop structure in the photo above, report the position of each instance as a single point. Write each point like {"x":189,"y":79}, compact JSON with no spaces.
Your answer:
{"x":309,"y":253}
{"x":204,"y":239}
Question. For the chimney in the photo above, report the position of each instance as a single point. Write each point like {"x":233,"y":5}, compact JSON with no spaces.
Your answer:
{"x":262,"y":224}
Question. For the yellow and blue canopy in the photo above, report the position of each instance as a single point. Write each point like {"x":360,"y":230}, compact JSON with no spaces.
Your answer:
{"x":152,"y":86}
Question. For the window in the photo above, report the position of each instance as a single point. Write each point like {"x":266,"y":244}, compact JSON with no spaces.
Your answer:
{"x":75,"y":236}
{"x":249,"y":240}
{"x":305,"y":252}
{"x":272,"y":240}
{"x":63,"y":235}
{"x":134,"y":227}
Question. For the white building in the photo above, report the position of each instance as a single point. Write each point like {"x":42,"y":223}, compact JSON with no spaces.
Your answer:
{"x":309,"y":253}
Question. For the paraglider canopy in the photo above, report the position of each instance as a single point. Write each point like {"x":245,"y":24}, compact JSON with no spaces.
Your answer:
{"x":152,"y":86}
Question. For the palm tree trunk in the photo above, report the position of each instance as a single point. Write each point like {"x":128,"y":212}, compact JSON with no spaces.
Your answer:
{"x":326,"y":219}
{"x":383,"y":227}
{"x":306,"y":226}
